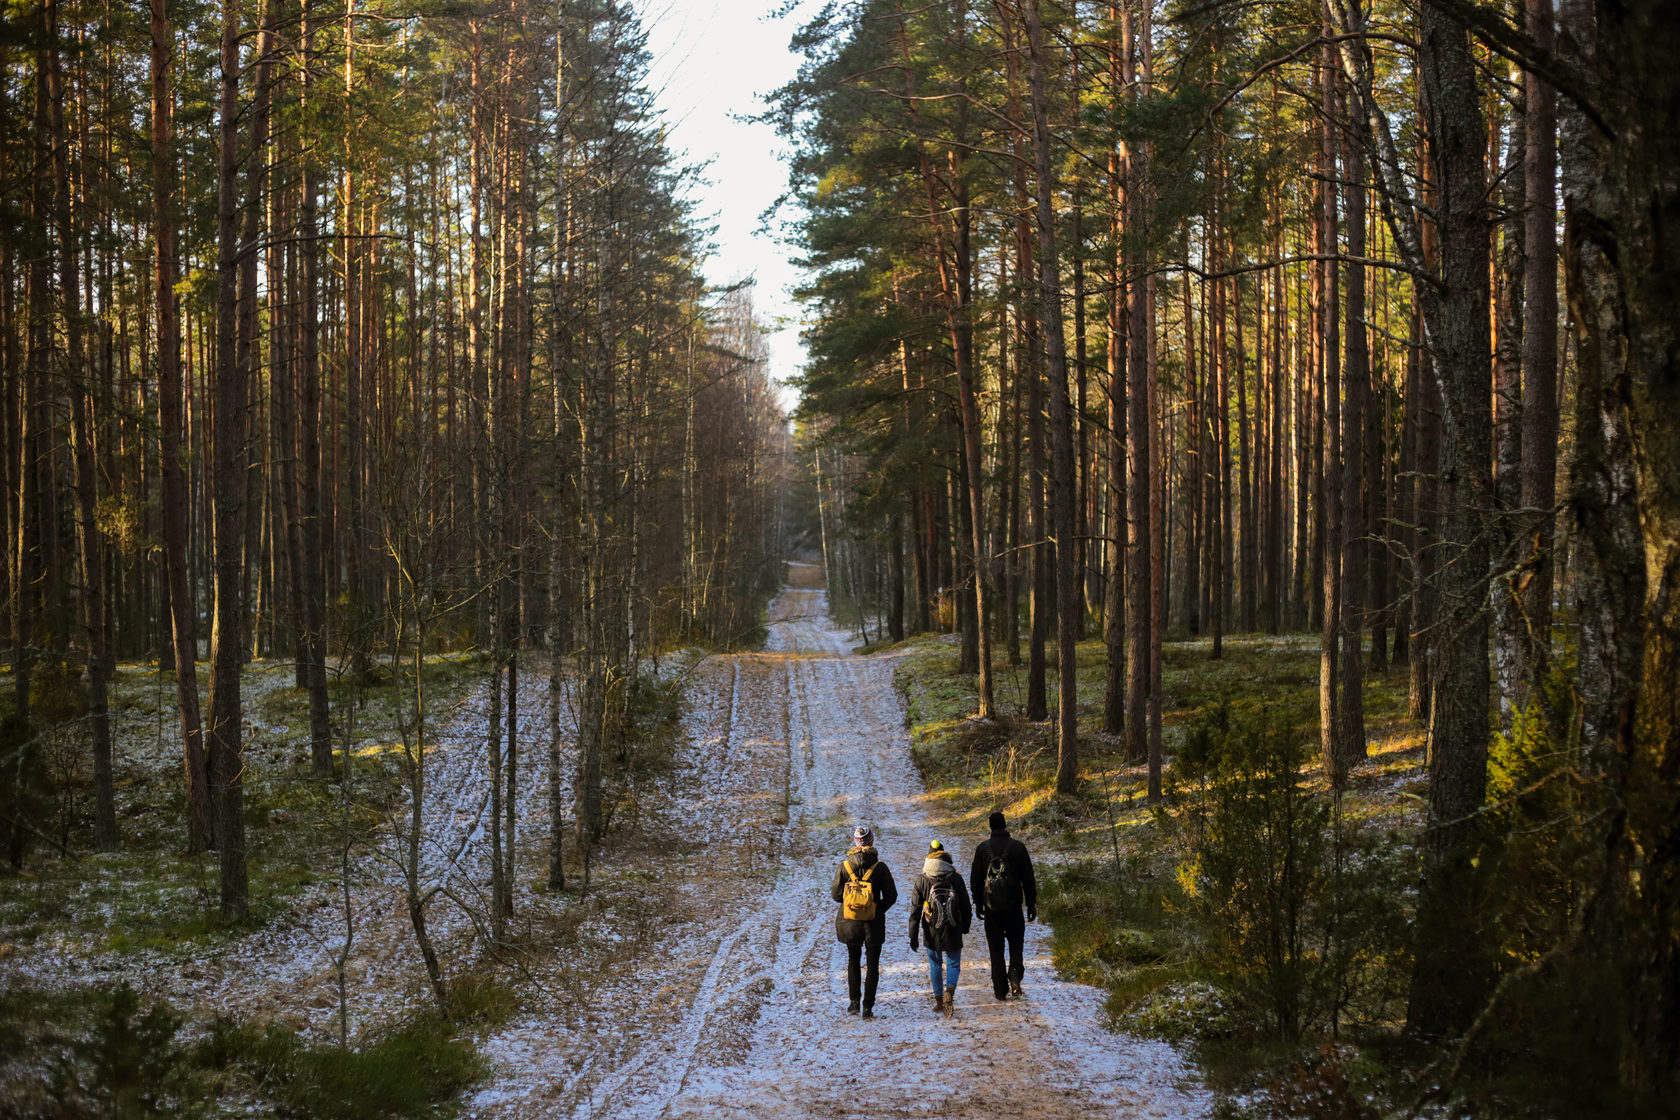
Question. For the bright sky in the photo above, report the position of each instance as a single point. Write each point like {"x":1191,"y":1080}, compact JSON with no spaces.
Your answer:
{"x":712,"y":62}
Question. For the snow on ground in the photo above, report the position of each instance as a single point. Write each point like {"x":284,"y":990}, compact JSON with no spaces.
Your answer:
{"x":734,"y":1006}
{"x":286,"y":970}
{"x":700,"y":976}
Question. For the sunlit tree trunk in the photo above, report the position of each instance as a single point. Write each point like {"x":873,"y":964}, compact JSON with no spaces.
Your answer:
{"x":1062,"y":486}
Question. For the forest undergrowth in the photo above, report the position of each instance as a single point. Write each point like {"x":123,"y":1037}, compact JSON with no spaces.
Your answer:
{"x":80,"y":1041}
{"x":1253,"y":916}
{"x":76,"y":924}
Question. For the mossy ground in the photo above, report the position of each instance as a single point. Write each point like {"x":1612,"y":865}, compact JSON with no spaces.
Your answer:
{"x":1112,"y":884}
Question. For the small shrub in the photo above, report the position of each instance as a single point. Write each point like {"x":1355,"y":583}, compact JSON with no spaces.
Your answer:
{"x":482,"y":998}
{"x":128,"y":1066}
{"x":1323,"y":1087}
{"x":406,"y":1073}
{"x":1301,"y":905}
{"x":1190,"y":1010}
{"x":401,"y":1075}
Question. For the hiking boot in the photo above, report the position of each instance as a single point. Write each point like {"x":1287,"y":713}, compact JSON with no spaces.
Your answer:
{"x":938,"y":1004}
{"x":869,"y":1013}
{"x":852,"y":1008}
{"x":1014,"y":987}
{"x":950,"y":1004}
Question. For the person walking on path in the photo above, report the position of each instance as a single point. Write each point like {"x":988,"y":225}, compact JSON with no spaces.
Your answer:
{"x":939,"y":916}
{"x":1002,"y":882}
{"x":864,"y":888}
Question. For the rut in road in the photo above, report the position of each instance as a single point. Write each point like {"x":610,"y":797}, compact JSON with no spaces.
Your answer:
{"x":732,"y":1005}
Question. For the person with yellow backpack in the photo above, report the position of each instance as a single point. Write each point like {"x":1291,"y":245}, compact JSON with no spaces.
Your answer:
{"x":864,"y":888}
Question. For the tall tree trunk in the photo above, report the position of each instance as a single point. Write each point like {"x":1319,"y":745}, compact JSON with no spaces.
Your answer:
{"x":1425,"y":408}
{"x":560,"y":481}
{"x":173,"y":501}
{"x":1330,"y":465}
{"x":1452,"y":969}
{"x":1355,"y":481}
{"x":1623,"y":264}
{"x":1139,"y":427}
{"x":316,"y":543}
{"x":1062,"y":492}
{"x":1114,"y":606}
{"x":1539,"y":358}
{"x":225,"y":753}
{"x":1510,"y":632}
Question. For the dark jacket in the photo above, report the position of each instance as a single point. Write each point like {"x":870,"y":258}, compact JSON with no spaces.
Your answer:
{"x":851,"y":931}
{"x":948,"y":938}
{"x":1020,"y":863}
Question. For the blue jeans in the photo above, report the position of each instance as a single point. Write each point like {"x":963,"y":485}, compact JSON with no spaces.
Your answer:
{"x":943,"y":967}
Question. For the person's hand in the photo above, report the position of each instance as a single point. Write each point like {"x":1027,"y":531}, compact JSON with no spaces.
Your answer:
{"x":914,"y":947}
{"x":980,"y":912}
{"x":1032,"y":913}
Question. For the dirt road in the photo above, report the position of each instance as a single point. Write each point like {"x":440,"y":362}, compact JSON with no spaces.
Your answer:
{"x":725,"y":991}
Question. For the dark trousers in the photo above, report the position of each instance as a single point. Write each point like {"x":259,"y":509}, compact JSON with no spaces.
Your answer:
{"x":1005,"y":929}
{"x":868,"y":979}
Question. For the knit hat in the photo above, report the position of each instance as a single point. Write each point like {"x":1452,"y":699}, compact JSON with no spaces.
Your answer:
{"x":862,"y":837}
{"x":936,"y":846}
{"x":995,"y":821}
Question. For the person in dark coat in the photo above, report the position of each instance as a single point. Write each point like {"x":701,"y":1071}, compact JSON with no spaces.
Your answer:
{"x":863,"y":939}
{"x":939,"y":892}
{"x":999,"y":898}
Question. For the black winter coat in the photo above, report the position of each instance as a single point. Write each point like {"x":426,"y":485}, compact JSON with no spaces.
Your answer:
{"x":949,"y":938}
{"x":873,"y":932}
{"x":1020,"y":863}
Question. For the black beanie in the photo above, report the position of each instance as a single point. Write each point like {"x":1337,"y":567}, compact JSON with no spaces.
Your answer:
{"x":995,"y":821}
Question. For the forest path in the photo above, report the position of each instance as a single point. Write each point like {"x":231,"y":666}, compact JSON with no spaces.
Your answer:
{"x":730,"y":1002}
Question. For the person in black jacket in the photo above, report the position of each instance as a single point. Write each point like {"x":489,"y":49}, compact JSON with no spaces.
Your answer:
{"x":939,"y":916}
{"x":863,"y":936}
{"x":1002,"y":882}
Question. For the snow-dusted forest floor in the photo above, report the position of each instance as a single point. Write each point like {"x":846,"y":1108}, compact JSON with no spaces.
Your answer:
{"x":285,"y":970}
{"x":724,"y":993}
{"x":698,"y":977}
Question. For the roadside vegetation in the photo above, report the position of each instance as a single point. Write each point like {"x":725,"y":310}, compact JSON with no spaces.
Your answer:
{"x":1253,"y":916}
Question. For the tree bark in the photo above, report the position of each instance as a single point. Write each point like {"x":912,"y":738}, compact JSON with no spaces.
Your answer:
{"x":225,"y":741}
{"x":172,"y":477}
{"x":315,"y":532}
{"x":1621,"y":199}
{"x":1331,"y":467}
{"x":1062,"y":493}
{"x":1114,"y":606}
{"x":1539,"y":356}
{"x":1355,"y":480}
{"x":1452,"y":971}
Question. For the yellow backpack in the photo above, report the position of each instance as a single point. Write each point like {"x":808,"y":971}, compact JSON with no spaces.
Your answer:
{"x":857,"y":894}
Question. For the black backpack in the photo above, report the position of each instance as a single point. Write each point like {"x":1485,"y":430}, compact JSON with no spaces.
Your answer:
{"x":939,"y":908}
{"x":1003,"y":893}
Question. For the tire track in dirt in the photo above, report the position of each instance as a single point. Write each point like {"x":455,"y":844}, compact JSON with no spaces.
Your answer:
{"x":786,"y":750}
